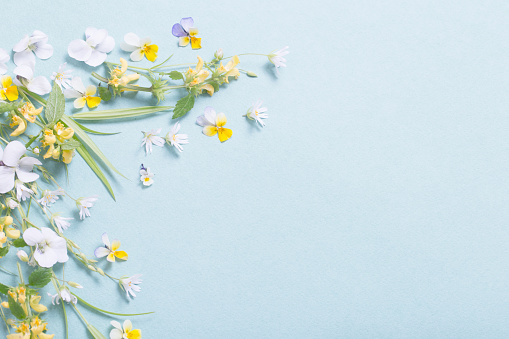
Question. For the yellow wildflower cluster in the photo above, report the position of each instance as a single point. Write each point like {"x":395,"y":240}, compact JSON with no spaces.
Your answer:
{"x":6,"y":230}
{"x":29,"y":112}
{"x":30,"y":329}
{"x":194,"y":78}
{"x":54,"y":138}
{"x":118,"y":76}
{"x":229,"y":70}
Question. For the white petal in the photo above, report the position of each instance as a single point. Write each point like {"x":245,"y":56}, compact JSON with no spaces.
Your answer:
{"x":32,"y":236}
{"x":79,"y":50}
{"x":210,"y":115}
{"x":77,"y":84}
{"x":44,"y":51}
{"x":70,"y":93}
{"x":105,"y":239}
{"x":6,"y":179}
{"x":13,"y":152}
{"x":132,"y":39}
{"x":39,"y":85}
{"x":24,"y":57}
{"x":127,"y":48}
{"x":3,"y":68}
{"x":202,"y":121}
{"x":116,"y":324}
{"x":144,"y":41}
{"x":107,"y":45}
{"x":4,"y":57}
{"x":96,"y":58}
{"x":26,"y":71}
{"x":22,"y":44}
{"x":46,"y":259}
{"x":25,"y":167}
{"x":89,"y":31}
{"x":137,"y":55}
{"x":97,"y":37}
{"x":128,"y":326}
{"x":101,"y":252}
{"x":116,"y":334}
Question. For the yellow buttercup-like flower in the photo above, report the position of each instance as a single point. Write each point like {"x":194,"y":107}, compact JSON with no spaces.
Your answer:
{"x":198,"y":75}
{"x":30,"y":112}
{"x":20,"y":122}
{"x":62,"y":132}
{"x":229,"y":70}
{"x":8,"y":90}
{"x":118,"y":77}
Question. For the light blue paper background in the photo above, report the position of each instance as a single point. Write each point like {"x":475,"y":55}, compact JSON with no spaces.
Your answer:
{"x":373,"y":204}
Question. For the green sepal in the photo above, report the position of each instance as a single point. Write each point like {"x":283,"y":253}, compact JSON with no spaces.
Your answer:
{"x":10,"y":106}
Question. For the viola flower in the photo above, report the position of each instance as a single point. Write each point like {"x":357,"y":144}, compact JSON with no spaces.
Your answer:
{"x":152,"y":138}
{"x":139,"y":47}
{"x":186,"y":33}
{"x":83,"y":95}
{"x":25,"y":77}
{"x":13,"y":163}
{"x":50,"y":197}
{"x":146,"y":176}
{"x":126,"y":332}
{"x":110,"y":251}
{"x":63,"y":76}
{"x":93,"y":51}
{"x":63,"y":294}
{"x":277,"y":57}
{"x":257,"y":113}
{"x":8,"y":90}
{"x":4,"y":58}
{"x":50,"y":248}
{"x":130,"y":285}
{"x":84,"y":204}
{"x":22,"y":192}
{"x":36,"y":43}
{"x":174,"y":139}
{"x":213,"y":123}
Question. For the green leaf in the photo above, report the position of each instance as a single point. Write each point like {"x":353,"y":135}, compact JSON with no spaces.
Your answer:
{"x":4,"y":289}
{"x":93,"y":165}
{"x":16,"y":309}
{"x":70,"y":145}
{"x":4,"y":251}
{"x":40,"y":277}
{"x":176,"y":75}
{"x":86,"y":129}
{"x":55,"y":105}
{"x":10,"y":106}
{"x":215,"y":85}
{"x":105,"y":93}
{"x":19,"y":242}
{"x":95,"y":332}
{"x":120,"y":113}
{"x":108,"y":312}
{"x":183,"y":106}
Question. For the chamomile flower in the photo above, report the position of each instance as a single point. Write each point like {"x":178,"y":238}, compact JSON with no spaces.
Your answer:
{"x":110,"y":250}
{"x":50,"y":197}
{"x":213,"y":124}
{"x":63,"y":76}
{"x":277,"y":57}
{"x":61,"y":222}
{"x":130,"y":285}
{"x":152,"y":137}
{"x":186,"y":33}
{"x":4,"y":58}
{"x":256,"y":112}
{"x":146,"y":176}
{"x":84,"y":204}
{"x":36,"y":43}
{"x":174,"y":139}
{"x":139,"y":47}
{"x":124,"y":332}
{"x":93,"y":51}
{"x":83,"y":95}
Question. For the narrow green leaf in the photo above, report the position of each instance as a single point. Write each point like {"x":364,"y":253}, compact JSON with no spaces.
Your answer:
{"x":55,"y":105}
{"x":120,"y":113}
{"x":40,"y":277}
{"x":176,"y":75}
{"x":19,"y":242}
{"x":95,"y":332}
{"x":16,"y":308}
{"x":86,"y":129}
{"x":108,"y":312}
{"x":4,"y":289}
{"x":85,"y":139}
{"x":183,"y":106}
{"x":70,"y":145}
{"x":93,"y":165}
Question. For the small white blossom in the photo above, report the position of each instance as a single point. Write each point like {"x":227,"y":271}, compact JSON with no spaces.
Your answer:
{"x":22,"y":255}
{"x":277,"y":57}
{"x":146,"y":176}
{"x":63,"y":77}
{"x":130,"y":285}
{"x":257,"y":113}
{"x":175,"y":139}
{"x":84,"y":204}
{"x":50,"y":197}
{"x":50,"y":248}
{"x":64,"y":294}
{"x":36,"y":43}
{"x":150,"y":138}
{"x":22,"y":192}
{"x":61,"y":222}
{"x":11,"y":203}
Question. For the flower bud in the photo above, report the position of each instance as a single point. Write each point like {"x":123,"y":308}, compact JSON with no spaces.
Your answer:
{"x":6,"y":221}
{"x":12,"y":233}
{"x":5,"y":304}
{"x":22,"y":255}
{"x":252,"y":74}
{"x":101,"y":272}
{"x":36,"y":150}
{"x":90,"y":267}
{"x":74,"y":284}
{"x":219,"y":54}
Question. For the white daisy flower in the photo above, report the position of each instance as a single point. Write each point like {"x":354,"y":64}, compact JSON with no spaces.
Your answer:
{"x":257,"y":113}
{"x":175,"y":139}
{"x":36,"y":43}
{"x":61,"y":222}
{"x":50,"y":197}
{"x":65,"y":295}
{"x":22,"y":192}
{"x":130,"y":284}
{"x":150,"y":138}
{"x":63,"y":77}
{"x":84,"y":204}
{"x":11,"y":203}
{"x":277,"y":57}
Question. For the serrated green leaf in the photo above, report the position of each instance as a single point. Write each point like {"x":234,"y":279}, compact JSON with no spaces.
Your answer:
{"x":19,"y":242}
{"x":4,"y":289}
{"x":70,"y":145}
{"x":40,"y":277}
{"x":93,"y":165}
{"x":105,"y":93}
{"x":16,"y":308}
{"x":183,"y":106}
{"x":176,"y":75}
{"x":120,"y":113}
{"x":4,"y":251}
{"x":55,"y":106}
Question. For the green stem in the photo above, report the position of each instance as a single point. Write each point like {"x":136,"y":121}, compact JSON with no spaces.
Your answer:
{"x":108,"y":312}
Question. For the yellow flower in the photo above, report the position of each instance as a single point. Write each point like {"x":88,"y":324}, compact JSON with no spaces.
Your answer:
{"x":49,"y":138}
{"x":20,"y":122}
{"x":110,"y":250}
{"x":21,"y":294}
{"x":229,"y":70}
{"x":83,"y":95}
{"x":34,"y":303}
{"x":67,"y":156}
{"x":30,"y":112}
{"x":8,"y":90}
{"x":12,"y":233}
{"x":56,"y":153}
{"x":125,"y":331}
{"x":198,"y":75}
{"x":49,"y":153}
{"x":118,"y":72}
{"x":206,"y":87}
{"x":3,"y":239}
{"x":62,"y":132}
{"x":213,"y":124}
{"x":5,"y":304}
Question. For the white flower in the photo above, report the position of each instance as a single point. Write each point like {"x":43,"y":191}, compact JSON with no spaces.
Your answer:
{"x":50,"y":197}
{"x":25,"y":77}
{"x":84,"y":204}
{"x":152,"y":138}
{"x":277,"y":57}
{"x":36,"y":43}
{"x":12,"y":163}
{"x":4,"y":58}
{"x":50,"y":248}
{"x":22,"y":255}
{"x":63,"y":76}
{"x":175,"y":139}
{"x":83,"y":95}
{"x":93,"y":51}
{"x":139,"y":47}
{"x":256,"y":112}
{"x":146,"y":176}
{"x":124,"y":333}
{"x":65,"y":295}
{"x":11,"y":203}
{"x":22,"y":192}
{"x":61,"y":222}
{"x":130,"y":285}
